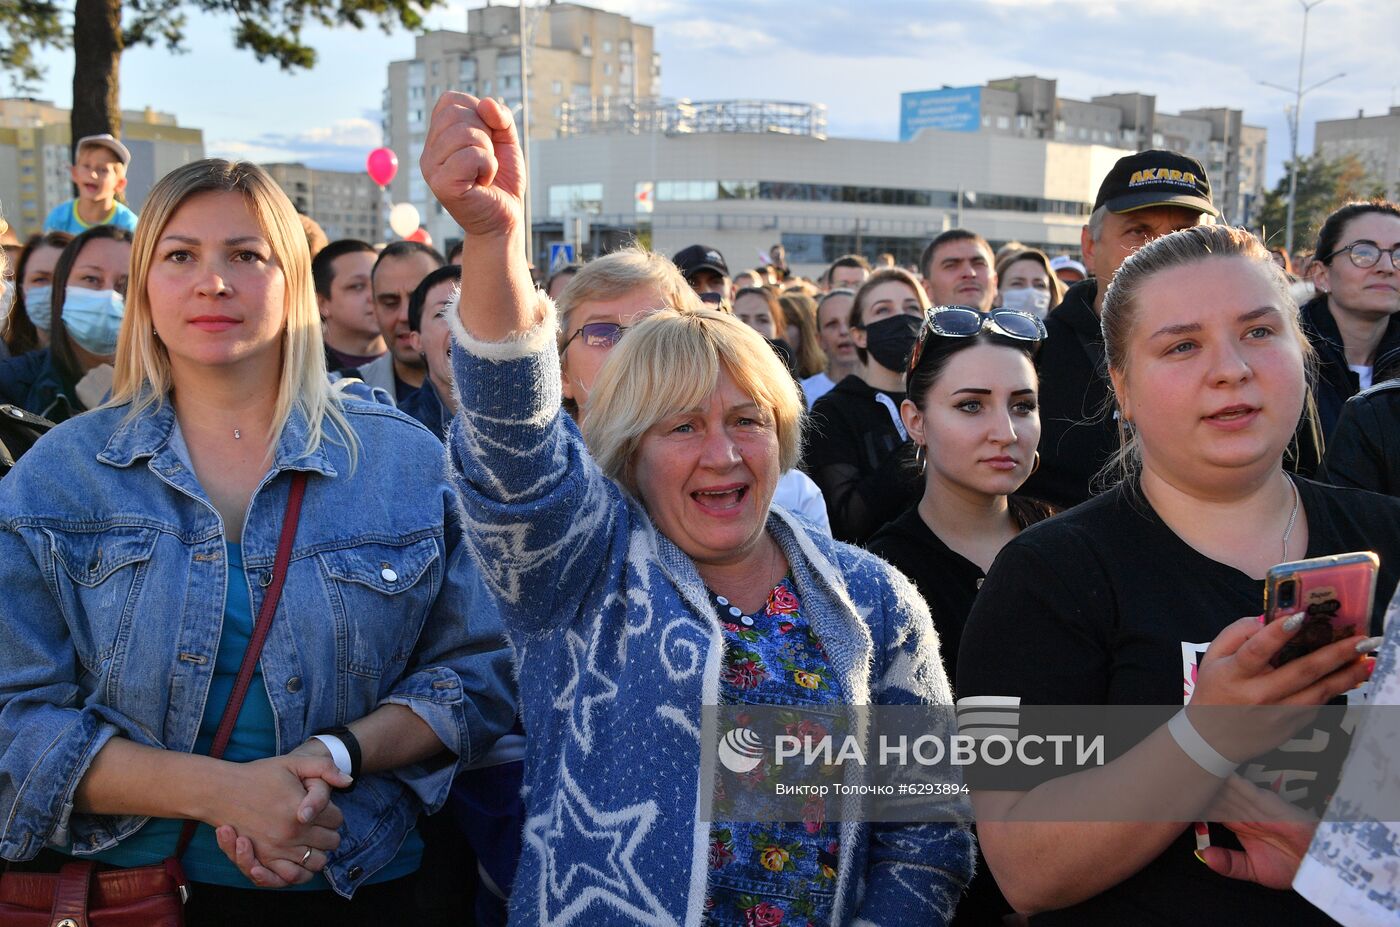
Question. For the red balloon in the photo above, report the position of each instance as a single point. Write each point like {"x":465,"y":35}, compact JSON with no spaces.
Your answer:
{"x":421,"y":236}
{"x":382,"y":164}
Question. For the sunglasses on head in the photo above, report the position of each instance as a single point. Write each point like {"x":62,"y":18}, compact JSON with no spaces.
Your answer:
{"x":597,"y":335}
{"x":965,"y":322}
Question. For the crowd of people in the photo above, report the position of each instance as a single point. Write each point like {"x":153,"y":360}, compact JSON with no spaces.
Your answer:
{"x":408,"y":579}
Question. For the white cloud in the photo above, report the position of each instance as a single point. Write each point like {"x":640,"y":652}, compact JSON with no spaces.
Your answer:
{"x":856,"y":58}
{"x":342,"y":145}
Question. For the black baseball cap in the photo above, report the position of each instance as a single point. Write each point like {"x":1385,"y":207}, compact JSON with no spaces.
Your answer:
{"x":1156,"y":177}
{"x":700,"y":257}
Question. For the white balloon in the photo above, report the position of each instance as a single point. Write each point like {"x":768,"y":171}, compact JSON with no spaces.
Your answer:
{"x":403,"y":219}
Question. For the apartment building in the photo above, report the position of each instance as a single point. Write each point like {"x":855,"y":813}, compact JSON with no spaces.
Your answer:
{"x":571,"y":51}
{"x":1029,"y":107}
{"x":35,"y":157}
{"x":346,"y":204}
{"x":1375,"y":140}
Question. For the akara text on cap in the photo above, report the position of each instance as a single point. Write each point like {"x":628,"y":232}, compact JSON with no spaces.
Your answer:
{"x":1156,"y":178}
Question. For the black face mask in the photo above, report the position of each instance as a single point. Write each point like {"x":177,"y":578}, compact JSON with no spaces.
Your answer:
{"x":889,"y":341}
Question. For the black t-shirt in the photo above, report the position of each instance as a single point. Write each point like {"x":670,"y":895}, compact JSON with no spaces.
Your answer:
{"x":859,"y":458}
{"x":946,"y":579}
{"x":1106,"y":605}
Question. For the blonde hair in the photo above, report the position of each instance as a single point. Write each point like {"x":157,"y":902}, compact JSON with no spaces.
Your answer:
{"x":615,"y":275}
{"x":1180,"y":249}
{"x":669,"y":363}
{"x":142,"y":368}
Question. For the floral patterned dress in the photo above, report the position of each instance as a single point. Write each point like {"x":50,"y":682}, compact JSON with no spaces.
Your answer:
{"x":772,"y":873}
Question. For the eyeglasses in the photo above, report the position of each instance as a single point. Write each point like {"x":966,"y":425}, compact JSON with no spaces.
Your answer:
{"x":597,"y":335}
{"x":1365,"y":254}
{"x":965,"y":322}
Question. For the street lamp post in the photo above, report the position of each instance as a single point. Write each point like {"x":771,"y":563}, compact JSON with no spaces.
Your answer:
{"x":1295,"y":123}
{"x":525,"y":132}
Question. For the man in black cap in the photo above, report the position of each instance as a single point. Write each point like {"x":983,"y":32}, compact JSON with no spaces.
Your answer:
{"x":1145,"y":196}
{"x":705,"y":270}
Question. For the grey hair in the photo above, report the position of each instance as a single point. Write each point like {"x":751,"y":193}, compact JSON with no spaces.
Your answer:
{"x":1095,"y":223}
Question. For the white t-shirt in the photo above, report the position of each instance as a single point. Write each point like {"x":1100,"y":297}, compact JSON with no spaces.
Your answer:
{"x":816,"y":386}
{"x":798,"y":494}
{"x":1366,"y":373}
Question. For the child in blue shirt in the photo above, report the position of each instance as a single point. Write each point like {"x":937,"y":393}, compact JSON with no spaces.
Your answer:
{"x":99,"y":171}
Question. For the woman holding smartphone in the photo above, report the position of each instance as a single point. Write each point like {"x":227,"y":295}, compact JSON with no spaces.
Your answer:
{"x":1140,"y":596}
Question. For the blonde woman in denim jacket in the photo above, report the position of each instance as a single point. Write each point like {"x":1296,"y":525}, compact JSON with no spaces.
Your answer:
{"x":136,"y":542}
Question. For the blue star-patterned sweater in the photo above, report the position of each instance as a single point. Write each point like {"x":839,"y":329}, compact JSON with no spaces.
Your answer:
{"x":618,"y":645}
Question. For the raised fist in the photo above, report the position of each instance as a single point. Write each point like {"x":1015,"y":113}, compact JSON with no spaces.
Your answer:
{"x":473,"y":163}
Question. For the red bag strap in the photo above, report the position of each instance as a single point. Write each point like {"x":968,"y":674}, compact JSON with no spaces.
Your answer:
{"x":255,"y":643}
{"x":70,"y":897}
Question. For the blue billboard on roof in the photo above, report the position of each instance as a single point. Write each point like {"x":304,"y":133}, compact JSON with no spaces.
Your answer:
{"x":952,"y":109}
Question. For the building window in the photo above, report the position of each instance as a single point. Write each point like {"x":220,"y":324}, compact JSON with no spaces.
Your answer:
{"x":687,"y":191}
{"x":1003,"y":122}
{"x":607,"y":46}
{"x":607,"y":69}
{"x":436,"y":66}
{"x":572,"y":198}
{"x":556,"y":87}
{"x":587,"y":44}
{"x":466,"y":71}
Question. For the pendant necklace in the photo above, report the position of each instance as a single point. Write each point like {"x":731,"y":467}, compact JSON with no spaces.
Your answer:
{"x":238,"y":436}
{"x":1292,"y":518}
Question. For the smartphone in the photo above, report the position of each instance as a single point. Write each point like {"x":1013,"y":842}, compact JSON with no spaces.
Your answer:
{"x":1335,"y":595}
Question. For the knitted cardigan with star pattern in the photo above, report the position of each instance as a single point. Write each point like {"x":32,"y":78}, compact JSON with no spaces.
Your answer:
{"x":618,"y":645}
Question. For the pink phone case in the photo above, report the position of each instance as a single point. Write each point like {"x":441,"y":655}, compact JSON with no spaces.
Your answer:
{"x":1334,"y":593}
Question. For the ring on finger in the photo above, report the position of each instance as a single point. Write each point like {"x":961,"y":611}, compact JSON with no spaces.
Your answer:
{"x":305,"y":857}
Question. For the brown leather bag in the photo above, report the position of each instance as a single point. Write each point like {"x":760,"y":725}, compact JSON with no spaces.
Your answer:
{"x":79,"y":895}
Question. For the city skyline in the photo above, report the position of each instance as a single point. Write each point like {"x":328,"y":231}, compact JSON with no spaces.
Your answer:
{"x":857,"y":62}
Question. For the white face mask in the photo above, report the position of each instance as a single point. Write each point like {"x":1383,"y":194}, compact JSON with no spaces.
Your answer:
{"x":1027,"y":299}
{"x":93,"y":318}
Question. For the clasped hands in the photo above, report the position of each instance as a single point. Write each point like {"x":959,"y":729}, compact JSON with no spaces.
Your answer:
{"x":276,"y":821}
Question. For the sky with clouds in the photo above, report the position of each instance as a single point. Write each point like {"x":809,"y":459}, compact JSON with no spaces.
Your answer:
{"x":856,"y":58}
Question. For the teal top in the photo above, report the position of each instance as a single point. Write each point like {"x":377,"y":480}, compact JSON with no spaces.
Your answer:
{"x":64,"y":218}
{"x":254,"y":737}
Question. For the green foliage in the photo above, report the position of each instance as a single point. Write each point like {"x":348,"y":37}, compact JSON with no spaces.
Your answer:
{"x":270,"y":29}
{"x":26,"y":26}
{"x":1323,"y":186}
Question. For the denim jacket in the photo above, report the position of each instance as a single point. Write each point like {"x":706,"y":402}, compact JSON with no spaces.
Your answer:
{"x":113,"y":569}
